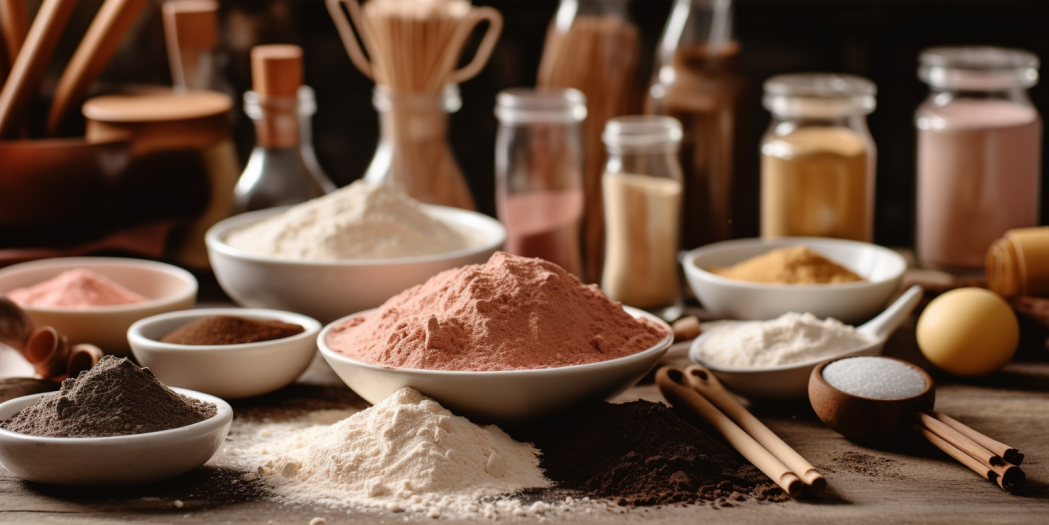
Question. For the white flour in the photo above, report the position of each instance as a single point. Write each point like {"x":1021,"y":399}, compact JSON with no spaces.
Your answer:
{"x":406,"y":454}
{"x":791,"y":338}
{"x":360,"y":221}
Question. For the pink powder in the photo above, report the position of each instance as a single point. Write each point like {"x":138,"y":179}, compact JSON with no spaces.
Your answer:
{"x":511,"y":313}
{"x":77,"y":288}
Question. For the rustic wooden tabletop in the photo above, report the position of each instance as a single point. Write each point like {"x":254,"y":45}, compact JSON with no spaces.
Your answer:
{"x":915,"y":484}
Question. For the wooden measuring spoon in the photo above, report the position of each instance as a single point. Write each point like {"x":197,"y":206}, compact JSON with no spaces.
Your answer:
{"x":29,"y":68}
{"x":105,"y":34}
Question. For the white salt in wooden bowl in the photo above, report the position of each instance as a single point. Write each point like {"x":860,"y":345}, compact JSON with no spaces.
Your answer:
{"x":508,"y":398}
{"x":116,"y":460}
{"x":328,"y":290}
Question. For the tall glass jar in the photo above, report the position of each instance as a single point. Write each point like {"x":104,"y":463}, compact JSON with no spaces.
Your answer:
{"x":539,"y":172}
{"x":413,"y":153}
{"x":697,"y":80}
{"x":818,"y":157}
{"x":979,"y":152}
{"x":592,"y":46}
{"x":643,"y":193}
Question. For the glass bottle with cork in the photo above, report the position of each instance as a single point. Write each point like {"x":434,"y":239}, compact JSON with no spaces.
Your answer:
{"x":818,"y":157}
{"x":697,"y":80}
{"x":539,"y":173}
{"x":979,"y":152}
{"x":643,"y":194}
{"x":280,"y":171}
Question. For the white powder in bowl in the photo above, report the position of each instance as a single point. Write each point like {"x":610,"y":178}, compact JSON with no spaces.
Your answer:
{"x":360,"y":221}
{"x":874,"y":377}
{"x":790,"y":338}
{"x":405,"y":454}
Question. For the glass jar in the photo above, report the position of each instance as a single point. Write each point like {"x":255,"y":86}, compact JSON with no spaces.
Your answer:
{"x":642,"y":193}
{"x":413,"y":153}
{"x":979,"y":152}
{"x":283,"y":168}
{"x":697,"y":80}
{"x":539,"y":173}
{"x":818,"y":157}
{"x":592,"y":46}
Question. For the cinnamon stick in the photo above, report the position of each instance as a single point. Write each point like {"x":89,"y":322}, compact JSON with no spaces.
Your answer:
{"x":1008,"y":477}
{"x":1009,"y":454}
{"x":674,"y":386}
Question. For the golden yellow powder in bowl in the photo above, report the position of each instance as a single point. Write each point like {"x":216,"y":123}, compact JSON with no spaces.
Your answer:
{"x":793,"y":265}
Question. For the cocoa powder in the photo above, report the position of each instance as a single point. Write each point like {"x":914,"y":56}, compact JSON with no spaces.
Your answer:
{"x":229,"y":330}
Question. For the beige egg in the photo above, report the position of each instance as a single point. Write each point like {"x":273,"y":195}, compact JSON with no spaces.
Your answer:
{"x":968,"y":332}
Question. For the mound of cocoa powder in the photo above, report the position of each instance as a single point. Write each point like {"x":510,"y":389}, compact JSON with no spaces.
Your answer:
{"x":229,"y":330}
{"x":642,"y":453}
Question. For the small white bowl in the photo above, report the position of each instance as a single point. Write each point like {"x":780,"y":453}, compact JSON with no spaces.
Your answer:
{"x":328,"y":290}
{"x":117,"y":460}
{"x":168,"y":287}
{"x":787,"y":383}
{"x":852,"y":303}
{"x":508,"y":398}
{"x":227,"y":371}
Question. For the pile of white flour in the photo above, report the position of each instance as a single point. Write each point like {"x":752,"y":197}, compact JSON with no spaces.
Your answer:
{"x":790,"y":338}
{"x":360,"y":221}
{"x":405,"y":454}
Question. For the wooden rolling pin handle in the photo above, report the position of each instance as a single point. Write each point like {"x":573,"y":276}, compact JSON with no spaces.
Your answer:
{"x":1009,"y":454}
{"x":675,"y":388}
{"x":704,"y":382}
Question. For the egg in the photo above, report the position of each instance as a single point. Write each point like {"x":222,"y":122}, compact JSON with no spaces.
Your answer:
{"x":968,"y":332}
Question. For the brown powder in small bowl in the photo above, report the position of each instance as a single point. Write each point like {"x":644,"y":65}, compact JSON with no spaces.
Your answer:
{"x":229,"y":330}
{"x":793,"y":265}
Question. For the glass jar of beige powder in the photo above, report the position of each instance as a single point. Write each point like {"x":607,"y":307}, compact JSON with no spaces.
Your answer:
{"x":818,"y":157}
{"x":642,"y":189}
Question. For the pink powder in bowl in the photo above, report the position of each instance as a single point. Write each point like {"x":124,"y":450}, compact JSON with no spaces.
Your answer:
{"x":511,"y":313}
{"x":77,"y":288}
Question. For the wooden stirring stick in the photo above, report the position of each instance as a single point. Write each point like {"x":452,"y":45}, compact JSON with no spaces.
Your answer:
{"x":675,"y":388}
{"x":29,"y":68}
{"x":1008,"y":477}
{"x":706,"y":384}
{"x":1006,"y":452}
{"x":107,"y":31}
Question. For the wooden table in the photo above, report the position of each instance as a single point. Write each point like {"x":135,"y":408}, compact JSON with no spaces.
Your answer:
{"x":914,"y":485}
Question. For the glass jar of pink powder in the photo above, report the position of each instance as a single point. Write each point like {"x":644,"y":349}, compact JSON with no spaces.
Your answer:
{"x":979,"y":152}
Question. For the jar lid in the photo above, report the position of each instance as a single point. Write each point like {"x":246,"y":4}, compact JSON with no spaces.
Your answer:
{"x":540,"y":105}
{"x":642,"y":134}
{"x":980,"y":68}
{"x":819,"y":95}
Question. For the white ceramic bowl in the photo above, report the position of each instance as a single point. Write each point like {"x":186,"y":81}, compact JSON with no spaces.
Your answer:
{"x":851,"y":303}
{"x":226,"y":371}
{"x":117,"y":460}
{"x":508,"y":398}
{"x":328,"y":290}
{"x":788,"y":383}
{"x":170,"y":288}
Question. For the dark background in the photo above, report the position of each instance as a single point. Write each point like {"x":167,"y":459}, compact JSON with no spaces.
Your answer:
{"x":878,"y":39}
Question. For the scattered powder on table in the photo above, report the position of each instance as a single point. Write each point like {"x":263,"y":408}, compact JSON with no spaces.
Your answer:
{"x":865,"y":464}
{"x":874,"y":377}
{"x":642,"y":453}
{"x":115,"y":398}
{"x":77,"y":288}
{"x":360,"y":221}
{"x":511,"y":313}
{"x":406,"y":453}
{"x":229,"y":330}
{"x":790,"y":338}
{"x":794,"y":265}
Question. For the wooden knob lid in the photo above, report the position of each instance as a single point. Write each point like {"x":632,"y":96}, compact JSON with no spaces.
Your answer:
{"x":193,"y":23}
{"x":276,"y":70}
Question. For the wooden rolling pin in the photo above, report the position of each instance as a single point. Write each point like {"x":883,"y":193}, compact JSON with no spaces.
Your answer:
{"x":105,"y":34}
{"x":706,"y":384}
{"x":675,"y":388}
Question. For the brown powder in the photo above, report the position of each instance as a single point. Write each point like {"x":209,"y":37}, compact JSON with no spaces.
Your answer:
{"x":511,"y":313}
{"x":866,"y":464}
{"x":793,"y":265}
{"x":229,"y":330}
{"x":115,"y":398}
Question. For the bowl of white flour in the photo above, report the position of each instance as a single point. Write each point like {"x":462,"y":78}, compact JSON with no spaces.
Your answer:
{"x":348,"y":251}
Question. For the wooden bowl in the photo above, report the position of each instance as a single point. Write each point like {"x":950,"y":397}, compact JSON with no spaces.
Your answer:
{"x":862,"y":418}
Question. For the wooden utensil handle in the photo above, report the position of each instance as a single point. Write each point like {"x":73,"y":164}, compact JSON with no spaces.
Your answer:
{"x":706,"y":384}
{"x":484,"y":52}
{"x":347,"y":34}
{"x":1009,"y":454}
{"x":14,"y":24}
{"x":673,"y":385}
